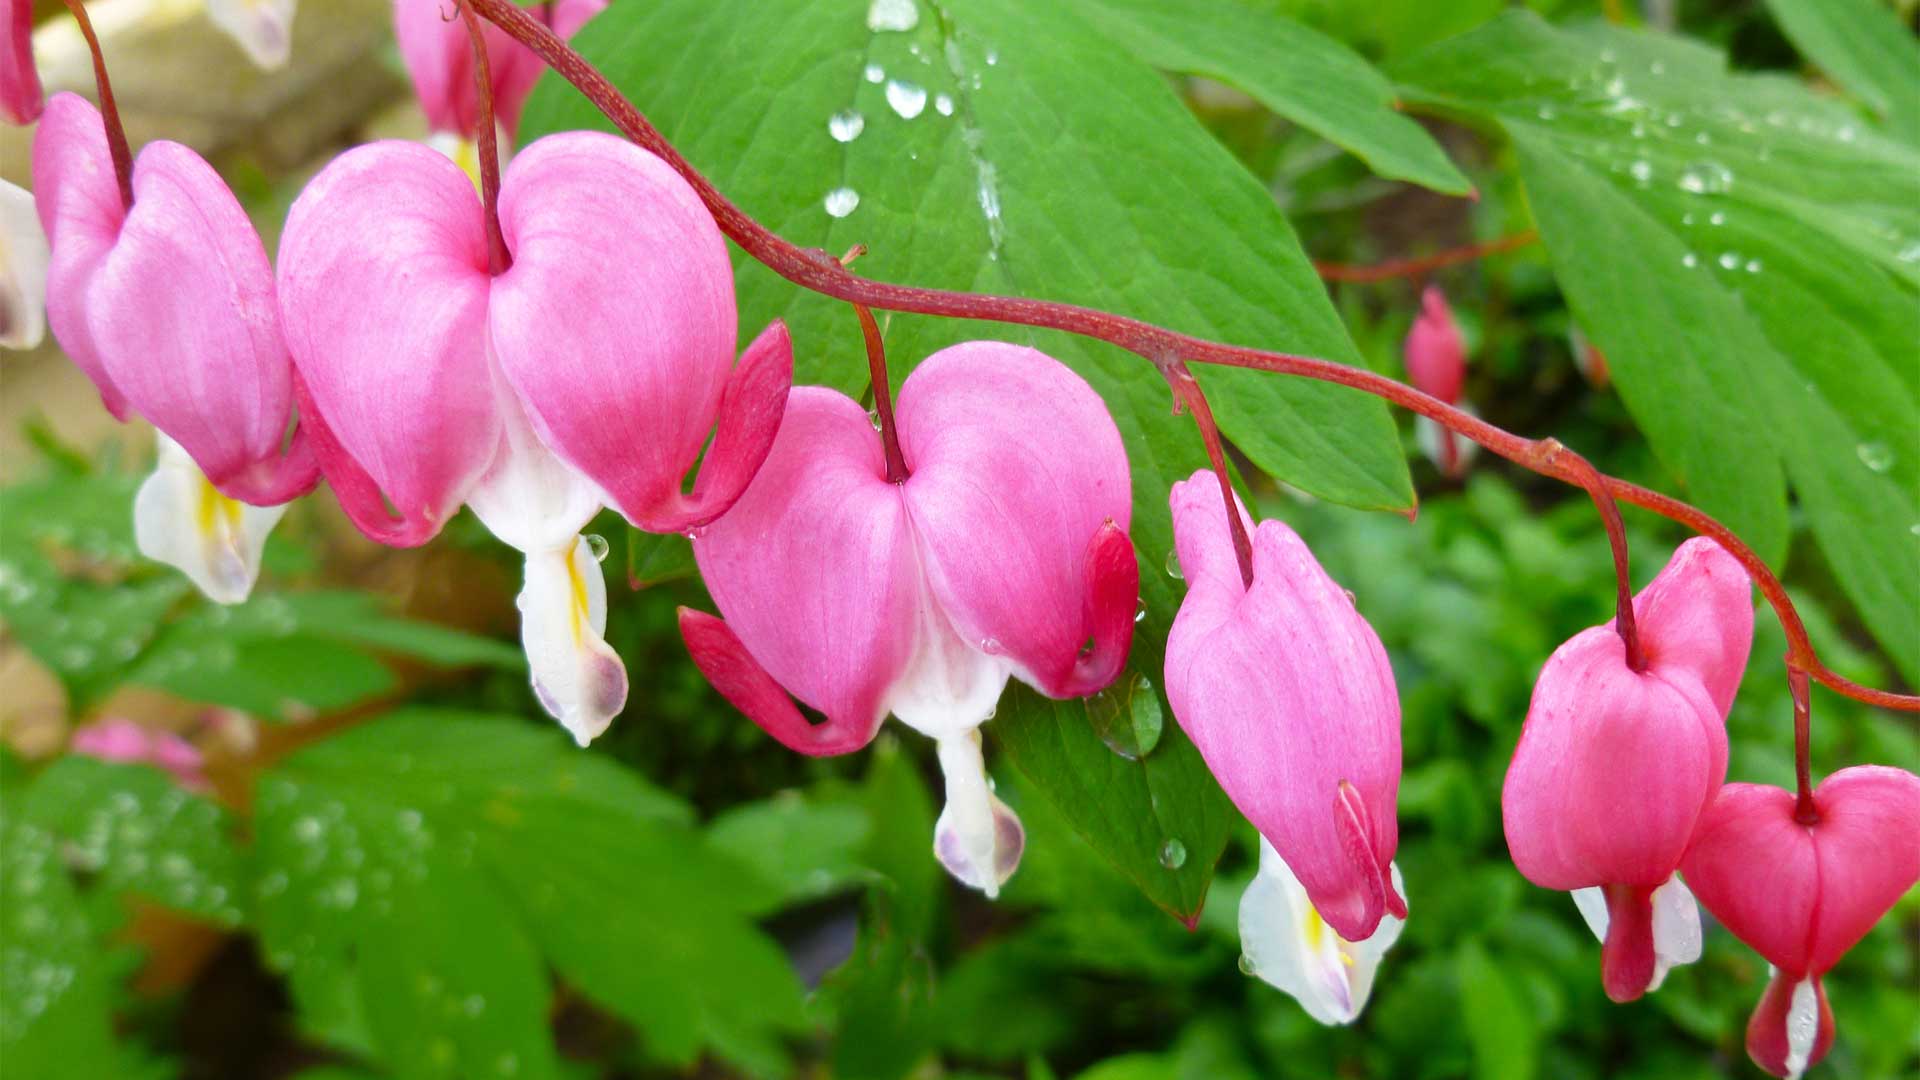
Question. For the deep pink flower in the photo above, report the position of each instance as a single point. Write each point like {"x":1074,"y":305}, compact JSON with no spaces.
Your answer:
{"x":1802,"y":895}
{"x":20,"y":96}
{"x":1002,"y":554}
{"x":1436,"y":355}
{"x":131,"y":742}
{"x":439,"y":56}
{"x":590,"y":371}
{"x":1288,"y":694}
{"x":1614,"y":766}
{"x":169,"y":308}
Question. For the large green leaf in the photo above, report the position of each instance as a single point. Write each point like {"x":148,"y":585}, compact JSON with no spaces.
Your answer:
{"x":1296,"y":71}
{"x":74,"y":843}
{"x":1745,"y":255}
{"x":1019,"y":154}
{"x":419,"y":874}
{"x":1866,"y":48}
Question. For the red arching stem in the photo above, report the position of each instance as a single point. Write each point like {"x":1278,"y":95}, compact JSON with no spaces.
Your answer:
{"x":1804,"y":811}
{"x":498,"y":258}
{"x":1551,"y":451}
{"x":819,"y":272}
{"x":109,"y":111}
{"x":1397,"y":268}
{"x":882,"y":395}
{"x":1187,"y":394}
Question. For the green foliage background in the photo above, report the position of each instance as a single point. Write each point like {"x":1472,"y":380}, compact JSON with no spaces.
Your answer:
{"x":418,"y":876}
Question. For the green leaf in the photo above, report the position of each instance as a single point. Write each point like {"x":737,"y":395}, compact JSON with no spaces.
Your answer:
{"x":133,"y":829}
{"x":289,"y":655}
{"x":1298,"y":72}
{"x":1498,"y":1025}
{"x":1866,"y":48}
{"x":419,"y":874}
{"x":807,"y":849}
{"x":1159,"y":817}
{"x":1745,"y":254}
{"x":654,"y":558}
{"x":73,"y":844}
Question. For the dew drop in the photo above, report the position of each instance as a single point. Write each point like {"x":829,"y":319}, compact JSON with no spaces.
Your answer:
{"x":876,"y":74}
{"x":993,"y":57}
{"x":1689,"y":260}
{"x":597,"y":546}
{"x":1706,"y":178}
{"x":906,"y":99}
{"x":1173,"y":854}
{"x":896,"y":15}
{"x":990,"y":646}
{"x":1729,"y":261}
{"x":1753,"y":266}
{"x":943,"y":104}
{"x":1247,"y":966}
{"x":1717,"y":218}
{"x":1140,"y":613}
{"x":1875,"y":456}
{"x":1173,"y":565}
{"x":841,"y":201}
{"x":846,"y":125}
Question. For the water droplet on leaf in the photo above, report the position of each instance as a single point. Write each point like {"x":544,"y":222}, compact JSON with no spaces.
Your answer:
{"x":841,"y":201}
{"x":905,"y":98}
{"x":1173,"y":566}
{"x":846,"y":125}
{"x":1173,"y":854}
{"x":1875,"y":456}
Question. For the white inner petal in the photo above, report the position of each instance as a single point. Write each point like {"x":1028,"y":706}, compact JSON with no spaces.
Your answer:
{"x":1288,"y":945}
{"x":978,"y":838}
{"x":950,"y":686}
{"x":23,"y":270}
{"x":181,"y":519}
{"x":263,"y":28}
{"x":578,"y":678}
{"x":1676,"y":924}
{"x":528,"y":497}
{"x":1803,"y":1027}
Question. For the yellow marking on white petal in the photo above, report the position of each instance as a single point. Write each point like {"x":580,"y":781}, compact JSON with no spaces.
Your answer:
{"x":217,"y":515}
{"x":578,"y":587}
{"x":1316,"y":928}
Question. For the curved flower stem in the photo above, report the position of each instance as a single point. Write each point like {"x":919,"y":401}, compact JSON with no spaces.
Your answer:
{"x":1553,"y":450}
{"x":882,"y":395}
{"x":109,"y":110}
{"x":1804,"y":811}
{"x":1397,"y":268}
{"x":819,"y":272}
{"x":498,"y":259}
{"x":1187,"y":394}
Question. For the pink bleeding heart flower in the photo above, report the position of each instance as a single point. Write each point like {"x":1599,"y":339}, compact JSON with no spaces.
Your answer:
{"x":20,"y":96}
{"x":439,"y":57}
{"x":590,"y":371}
{"x":1436,"y":354}
{"x":168,"y":306}
{"x":127,"y":741}
{"x":1288,"y":695}
{"x":1002,"y":553}
{"x":1801,"y":894}
{"x":1614,"y":766}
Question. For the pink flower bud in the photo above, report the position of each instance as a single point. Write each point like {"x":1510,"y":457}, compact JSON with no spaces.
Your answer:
{"x":1437,"y":365}
{"x":1614,"y":765}
{"x":439,"y":56}
{"x":1288,"y":694}
{"x":20,"y":96}
{"x":130,"y":742}
{"x":590,"y":371}
{"x":1436,"y":353}
{"x":1802,"y":894}
{"x":1000,"y":555}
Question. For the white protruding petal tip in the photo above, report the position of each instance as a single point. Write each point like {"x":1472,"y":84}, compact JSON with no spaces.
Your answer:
{"x":1803,"y":1027}
{"x":578,"y":678}
{"x":1676,"y":924}
{"x":1285,"y":942}
{"x":23,"y":270}
{"x":181,"y":519}
{"x":262,"y":28}
{"x":978,"y":838}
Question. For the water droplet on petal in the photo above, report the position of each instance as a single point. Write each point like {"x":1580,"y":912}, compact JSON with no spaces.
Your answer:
{"x":841,"y":201}
{"x":846,"y":125}
{"x":905,"y":98}
{"x":597,"y":545}
{"x":990,"y":646}
{"x":1140,"y":613}
{"x":1173,"y":854}
{"x":1875,"y":456}
{"x":1173,"y":565}
{"x":1247,"y":966}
